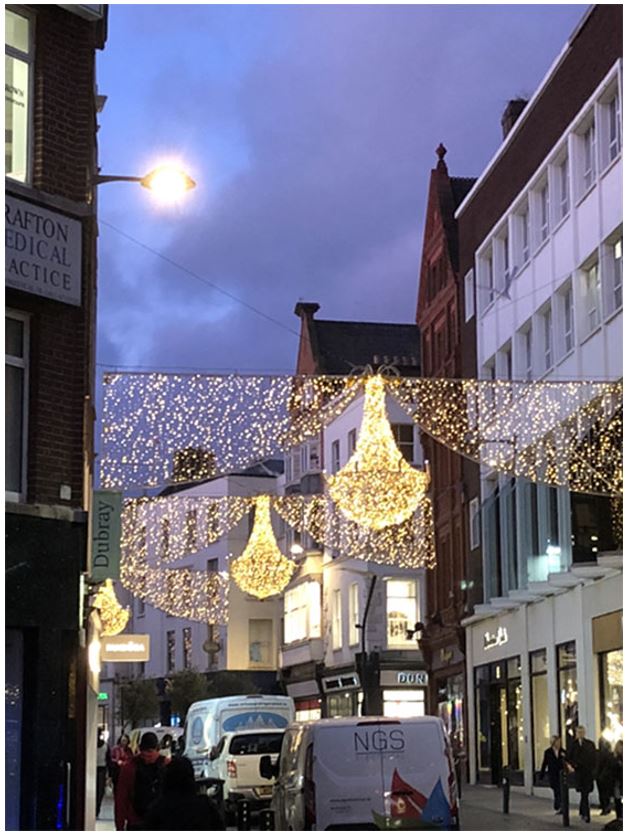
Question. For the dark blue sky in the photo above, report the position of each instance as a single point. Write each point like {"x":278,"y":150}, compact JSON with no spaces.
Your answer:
{"x":310,"y":131}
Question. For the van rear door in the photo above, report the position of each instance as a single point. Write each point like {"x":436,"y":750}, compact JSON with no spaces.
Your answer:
{"x":244,"y":752}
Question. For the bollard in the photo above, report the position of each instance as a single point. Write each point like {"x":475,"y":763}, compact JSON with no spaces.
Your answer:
{"x":243,"y":821}
{"x":506,"y":788}
{"x":267,"y":820}
{"x":565,"y":798}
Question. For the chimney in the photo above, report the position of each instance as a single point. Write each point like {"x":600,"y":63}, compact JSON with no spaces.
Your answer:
{"x":511,"y":114}
{"x":307,"y":310}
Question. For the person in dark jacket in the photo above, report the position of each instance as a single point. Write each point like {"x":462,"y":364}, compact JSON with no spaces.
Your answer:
{"x":553,"y":765}
{"x":180,"y":807}
{"x":581,"y":760}
{"x":605,"y":775}
{"x":138,"y":785}
{"x":617,"y":773}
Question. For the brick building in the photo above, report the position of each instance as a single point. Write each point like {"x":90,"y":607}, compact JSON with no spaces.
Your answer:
{"x":50,"y":158}
{"x":453,"y":584}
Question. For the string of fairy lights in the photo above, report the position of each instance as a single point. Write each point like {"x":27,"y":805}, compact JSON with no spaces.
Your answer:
{"x":182,"y":429}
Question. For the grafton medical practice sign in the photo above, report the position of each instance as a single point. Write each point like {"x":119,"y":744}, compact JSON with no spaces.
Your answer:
{"x":42,"y":251}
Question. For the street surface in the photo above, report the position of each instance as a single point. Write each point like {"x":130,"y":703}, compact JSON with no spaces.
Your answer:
{"x":481,"y":810}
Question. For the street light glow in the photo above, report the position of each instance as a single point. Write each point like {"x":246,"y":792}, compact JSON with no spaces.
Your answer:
{"x":168,"y":183}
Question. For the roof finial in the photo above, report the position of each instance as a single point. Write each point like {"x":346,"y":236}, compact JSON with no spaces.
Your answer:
{"x":441,"y":151}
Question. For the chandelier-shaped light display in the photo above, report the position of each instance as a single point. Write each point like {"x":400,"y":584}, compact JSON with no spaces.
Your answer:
{"x":262,"y":570}
{"x":113,"y":616}
{"x":377,"y":487}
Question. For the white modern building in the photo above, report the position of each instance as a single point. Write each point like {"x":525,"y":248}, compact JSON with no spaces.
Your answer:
{"x":541,"y":235}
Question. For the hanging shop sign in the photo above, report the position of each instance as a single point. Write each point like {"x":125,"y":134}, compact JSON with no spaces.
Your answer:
{"x":125,"y":648}
{"x":501,"y":637}
{"x":106,"y":511}
{"x":42,"y":251}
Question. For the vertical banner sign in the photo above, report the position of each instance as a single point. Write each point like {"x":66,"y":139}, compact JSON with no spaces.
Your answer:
{"x":106,"y":512}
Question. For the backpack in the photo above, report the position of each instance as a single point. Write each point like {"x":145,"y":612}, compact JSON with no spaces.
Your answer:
{"x":147,"y":784}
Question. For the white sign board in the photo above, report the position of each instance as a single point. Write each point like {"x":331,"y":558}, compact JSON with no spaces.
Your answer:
{"x":42,"y":251}
{"x":125,"y":648}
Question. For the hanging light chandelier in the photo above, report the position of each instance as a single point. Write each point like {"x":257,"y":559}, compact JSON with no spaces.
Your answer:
{"x":262,"y":570}
{"x":377,"y":487}
{"x":113,"y":616}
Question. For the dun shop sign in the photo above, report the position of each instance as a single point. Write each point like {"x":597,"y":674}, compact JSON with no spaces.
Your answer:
{"x":42,"y":251}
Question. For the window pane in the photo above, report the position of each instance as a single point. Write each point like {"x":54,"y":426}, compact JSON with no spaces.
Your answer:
{"x":14,"y":337}
{"x":541,"y":722}
{"x":612,"y":678}
{"x":260,"y":641}
{"x":14,"y":398}
{"x":538,"y":661}
{"x":16,"y":35}
{"x":16,"y":117}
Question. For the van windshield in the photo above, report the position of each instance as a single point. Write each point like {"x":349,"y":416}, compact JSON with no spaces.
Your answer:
{"x":260,"y":744}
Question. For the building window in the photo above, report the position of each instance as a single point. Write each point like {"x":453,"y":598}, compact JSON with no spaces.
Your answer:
{"x":336,"y":456}
{"x":314,"y":459}
{"x":191,"y":531}
{"x":523,"y":235}
{"x":16,"y":404}
{"x":567,"y":319}
{"x":611,"y":129}
{"x":402,"y":611}
{"x":592,"y":297}
{"x":171,"y":648}
{"x":337,"y":620}
{"x":187,"y":647}
{"x":403,"y":703}
{"x":164,"y":541}
{"x":354,"y":614}
{"x":543,"y":213}
{"x":563,"y":189}
{"x":503,"y":260}
{"x":211,"y":522}
{"x":487,"y":279}
{"x":18,"y":71}
{"x":526,"y":352}
{"x":547,"y":332}
{"x":539,"y":706}
{"x":474,"y":523}
{"x":213,"y":645}
{"x":613,"y":275}
{"x":567,"y":694}
{"x":302,"y":612}
{"x":351,"y":442}
{"x":404,"y":439}
{"x":589,"y":157}
{"x":469,"y":295}
{"x":260,"y":642}
{"x":140,"y":608}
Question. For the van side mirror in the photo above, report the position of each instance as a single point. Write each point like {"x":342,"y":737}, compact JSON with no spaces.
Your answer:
{"x":268,"y":770}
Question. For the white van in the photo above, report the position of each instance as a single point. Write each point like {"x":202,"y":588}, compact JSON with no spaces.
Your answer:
{"x":364,"y":773}
{"x":208,"y":720}
{"x":236,"y":760}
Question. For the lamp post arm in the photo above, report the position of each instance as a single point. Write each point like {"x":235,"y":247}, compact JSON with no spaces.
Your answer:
{"x":115,"y":178}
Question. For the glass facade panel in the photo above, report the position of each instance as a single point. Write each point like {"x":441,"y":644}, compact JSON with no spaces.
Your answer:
{"x":568,"y":696}
{"x":539,"y":707}
{"x":611,"y":668}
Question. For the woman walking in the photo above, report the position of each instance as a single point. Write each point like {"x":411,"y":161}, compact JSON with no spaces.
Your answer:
{"x":553,"y":765}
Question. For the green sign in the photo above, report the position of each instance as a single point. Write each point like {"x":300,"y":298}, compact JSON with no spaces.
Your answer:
{"x":106,"y":508}
{"x":103,"y":696}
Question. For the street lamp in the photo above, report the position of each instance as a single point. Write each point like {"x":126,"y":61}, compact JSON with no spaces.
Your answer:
{"x":167,"y":182}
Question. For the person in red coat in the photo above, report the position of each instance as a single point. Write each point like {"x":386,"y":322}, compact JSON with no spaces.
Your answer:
{"x":138,"y":785}
{"x":120,"y":755}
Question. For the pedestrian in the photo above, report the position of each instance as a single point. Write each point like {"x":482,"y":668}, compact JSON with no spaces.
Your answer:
{"x":120,"y":755}
{"x":180,"y":807}
{"x":138,"y":785}
{"x":617,"y":775}
{"x":167,"y":746}
{"x":581,"y":761}
{"x":605,"y":775}
{"x":553,"y":764}
{"x":102,"y":764}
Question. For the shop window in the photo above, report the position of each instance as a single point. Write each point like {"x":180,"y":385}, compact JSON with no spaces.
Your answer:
{"x":404,"y":438}
{"x":611,"y":669}
{"x":18,"y":63}
{"x":567,"y":693}
{"x":515,"y":716}
{"x":403,"y":703}
{"x":16,"y":404}
{"x":171,"y":648}
{"x":187,"y":647}
{"x":302,"y":612}
{"x":341,"y":705}
{"x":260,"y":642}
{"x":539,"y":706}
{"x":337,"y":620}
{"x":402,"y":611}
{"x":483,"y":717}
{"x":354,"y":614}
{"x":308,"y":710}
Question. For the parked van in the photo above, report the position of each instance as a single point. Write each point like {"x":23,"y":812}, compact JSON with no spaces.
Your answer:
{"x":236,"y":760}
{"x":364,"y":773}
{"x":208,"y":720}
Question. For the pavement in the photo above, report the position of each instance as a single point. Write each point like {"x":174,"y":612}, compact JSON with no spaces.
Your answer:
{"x":481,"y":810}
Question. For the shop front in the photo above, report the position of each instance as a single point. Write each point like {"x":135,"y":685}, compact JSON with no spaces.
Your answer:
{"x":404,"y":692}
{"x":542,"y":668}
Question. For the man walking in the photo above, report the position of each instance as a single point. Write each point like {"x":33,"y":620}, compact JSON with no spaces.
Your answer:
{"x":138,"y":785}
{"x":582,"y":760}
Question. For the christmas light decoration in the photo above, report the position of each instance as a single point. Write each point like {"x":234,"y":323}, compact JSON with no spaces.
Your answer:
{"x":262,"y":570}
{"x":161,"y":427}
{"x":113,"y":616}
{"x":377,"y":487}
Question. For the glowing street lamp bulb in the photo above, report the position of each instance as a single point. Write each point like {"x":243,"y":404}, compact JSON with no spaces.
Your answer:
{"x":168,"y":183}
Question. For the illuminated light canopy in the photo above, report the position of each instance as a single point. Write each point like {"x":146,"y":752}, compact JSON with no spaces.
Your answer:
{"x":529,"y":429}
{"x":377,"y":487}
{"x":113,"y":616}
{"x":168,"y":183}
{"x":262,"y":570}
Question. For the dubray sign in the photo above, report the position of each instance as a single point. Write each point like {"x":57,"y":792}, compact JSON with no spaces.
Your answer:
{"x":106,"y":509}
{"x":42,"y":251}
